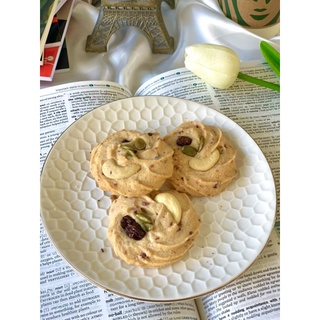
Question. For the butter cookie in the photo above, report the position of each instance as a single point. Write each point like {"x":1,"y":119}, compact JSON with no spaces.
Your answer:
{"x":131,"y":163}
{"x":152,"y":231}
{"x":204,"y":160}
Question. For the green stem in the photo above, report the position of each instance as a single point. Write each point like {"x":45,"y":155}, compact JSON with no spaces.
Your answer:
{"x":259,"y":82}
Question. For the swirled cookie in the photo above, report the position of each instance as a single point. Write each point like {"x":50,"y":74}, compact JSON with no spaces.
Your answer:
{"x":131,"y":163}
{"x":152,"y":231}
{"x":204,"y":160}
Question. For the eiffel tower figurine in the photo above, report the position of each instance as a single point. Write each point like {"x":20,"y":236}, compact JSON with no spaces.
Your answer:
{"x":143,"y":14}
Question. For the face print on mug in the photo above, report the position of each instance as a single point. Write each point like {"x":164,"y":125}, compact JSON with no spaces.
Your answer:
{"x":252,"y":13}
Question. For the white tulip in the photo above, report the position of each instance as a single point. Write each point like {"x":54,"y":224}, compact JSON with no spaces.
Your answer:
{"x":215,"y":64}
{"x":219,"y":66}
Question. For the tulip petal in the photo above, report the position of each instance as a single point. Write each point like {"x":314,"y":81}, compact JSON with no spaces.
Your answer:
{"x":215,"y":64}
{"x":212,"y":77}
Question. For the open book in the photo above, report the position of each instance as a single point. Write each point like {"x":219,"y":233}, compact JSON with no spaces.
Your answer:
{"x":256,"y":293}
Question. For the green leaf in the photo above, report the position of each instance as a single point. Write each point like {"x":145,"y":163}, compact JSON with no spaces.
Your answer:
{"x":271,"y":55}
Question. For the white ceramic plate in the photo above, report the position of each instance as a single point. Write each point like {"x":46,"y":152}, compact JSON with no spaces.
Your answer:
{"x":235,"y":224}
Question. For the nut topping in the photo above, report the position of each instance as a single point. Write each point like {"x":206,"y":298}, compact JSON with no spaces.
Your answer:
{"x":172,"y":204}
{"x":144,"y":220}
{"x":114,"y":171}
{"x":143,"y":217}
{"x":204,"y":164}
{"x":201,"y":144}
{"x":189,"y":151}
{"x":140,"y":144}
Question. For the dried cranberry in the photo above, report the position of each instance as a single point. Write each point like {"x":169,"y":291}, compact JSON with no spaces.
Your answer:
{"x":132,"y":228}
{"x":183,"y":141}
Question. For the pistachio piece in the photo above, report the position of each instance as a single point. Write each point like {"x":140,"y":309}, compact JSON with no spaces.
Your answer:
{"x":143,"y":217}
{"x":114,"y":171}
{"x":145,"y":226}
{"x":130,"y":154}
{"x":189,"y":150}
{"x":144,"y":220}
{"x":172,"y":204}
{"x":127,"y":147}
{"x":204,"y":164}
{"x":148,"y":226}
{"x":130,"y":150}
{"x":201,"y":143}
{"x":140,"y":144}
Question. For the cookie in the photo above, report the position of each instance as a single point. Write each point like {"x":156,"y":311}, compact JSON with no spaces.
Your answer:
{"x":131,"y":163}
{"x":152,"y":231}
{"x":204,"y":160}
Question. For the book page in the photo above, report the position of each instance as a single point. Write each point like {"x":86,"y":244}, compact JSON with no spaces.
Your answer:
{"x":63,"y":293}
{"x":63,"y":104}
{"x":254,"y":295}
{"x":125,"y":309}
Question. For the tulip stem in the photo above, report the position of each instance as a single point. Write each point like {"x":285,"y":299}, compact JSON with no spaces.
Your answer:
{"x":259,"y":82}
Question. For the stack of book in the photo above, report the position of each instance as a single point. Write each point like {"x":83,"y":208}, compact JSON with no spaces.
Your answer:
{"x":55,"y":16}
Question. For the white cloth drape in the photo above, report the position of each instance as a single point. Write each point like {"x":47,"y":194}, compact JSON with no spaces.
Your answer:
{"x":129,"y":59}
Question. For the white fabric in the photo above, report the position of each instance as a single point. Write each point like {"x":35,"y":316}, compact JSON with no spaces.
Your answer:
{"x":129,"y":59}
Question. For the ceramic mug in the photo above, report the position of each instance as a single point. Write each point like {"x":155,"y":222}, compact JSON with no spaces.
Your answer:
{"x":255,"y":14}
